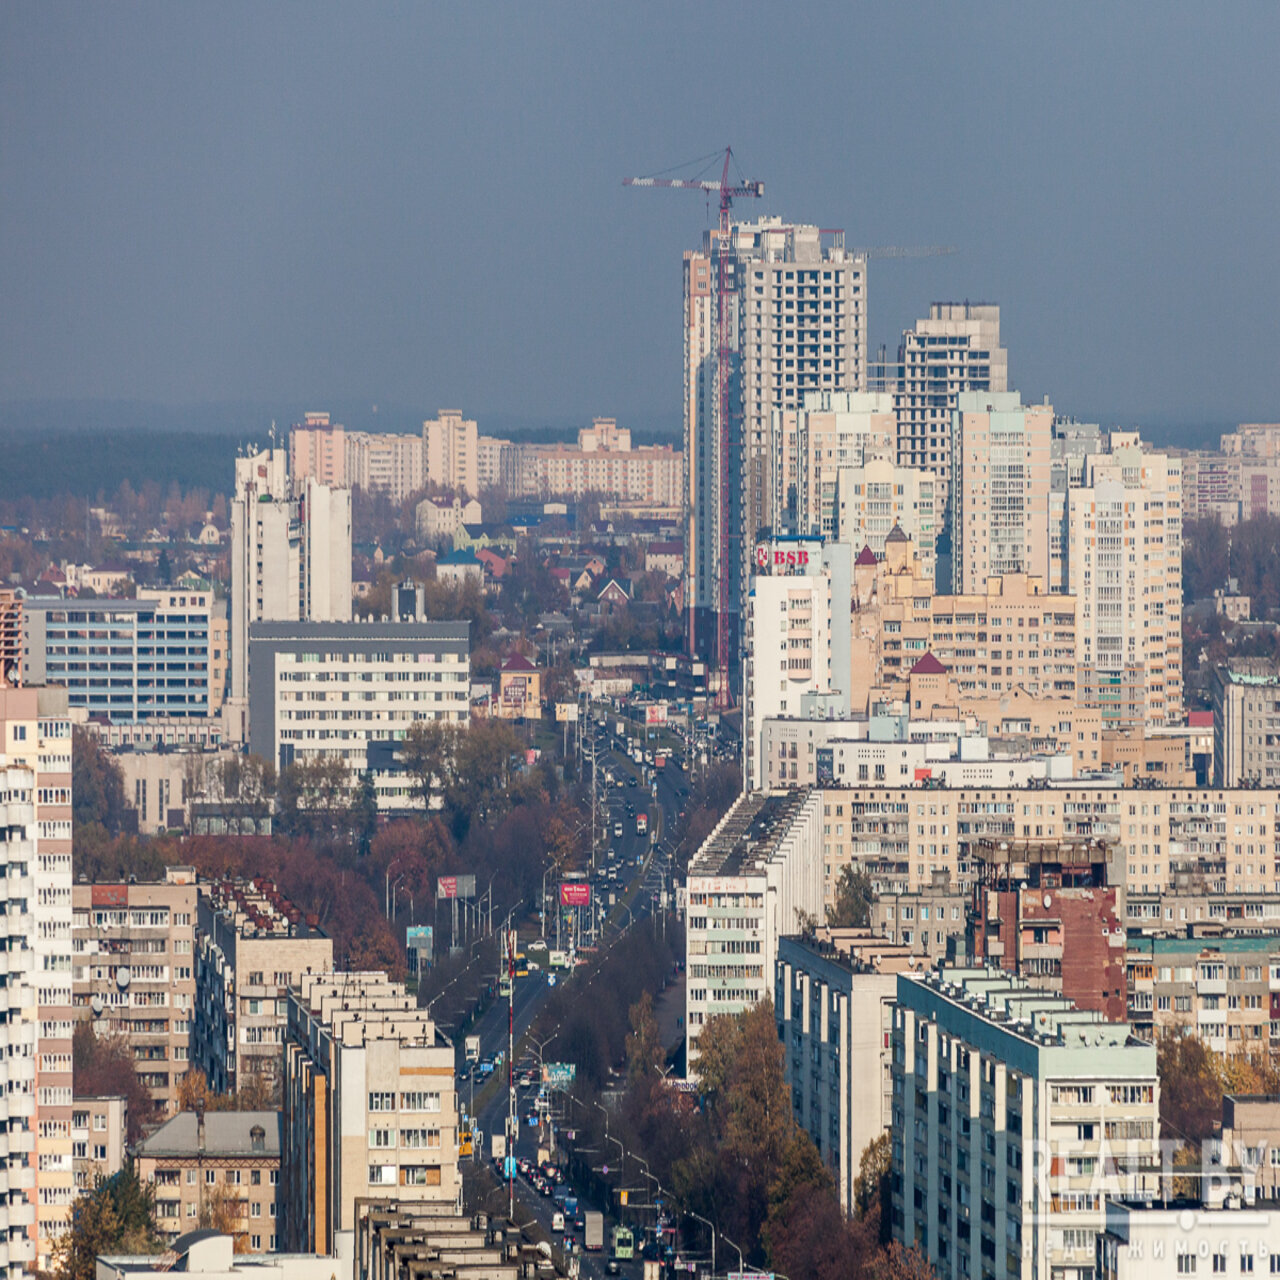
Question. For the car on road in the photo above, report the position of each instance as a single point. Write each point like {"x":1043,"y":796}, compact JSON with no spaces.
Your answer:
{"x":617,"y":831}
{"x":611,"y":1268}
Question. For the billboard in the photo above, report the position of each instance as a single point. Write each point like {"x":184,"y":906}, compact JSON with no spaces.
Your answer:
{"x":559,"y":1075}
{"x":566,"y":712}
{"x":655,"y":713}
{"x":420,"y":945}
{"x":456,"y":887}
{"x":575,"y":893}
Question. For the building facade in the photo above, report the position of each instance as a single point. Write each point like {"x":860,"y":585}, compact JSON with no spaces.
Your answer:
{"x":795,"y":323}
{"x":993,"y":1080}
{"x":1246,"y":724}
{"x":253,"y":946}
{"x":134,"y":974}
{"x":99,"y":1131}
{"x":756,"y":878}
{"x":370,"y":1108}
{"x":1000,"y":489}
{"x":217,"y":1166}
{"x":335,"y":691}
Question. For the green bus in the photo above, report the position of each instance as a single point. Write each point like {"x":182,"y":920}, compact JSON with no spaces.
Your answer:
{"x":624,"y":1244}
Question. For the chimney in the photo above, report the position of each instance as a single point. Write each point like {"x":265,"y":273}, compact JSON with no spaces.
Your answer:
{"x":200,"y":1125}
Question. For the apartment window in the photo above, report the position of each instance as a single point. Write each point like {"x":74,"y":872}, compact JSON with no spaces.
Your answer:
{"x":1219,"y":1264}
{"x":420,"y":1100}
{"x":1186,"y":1264}
{"x":382,"y":1102}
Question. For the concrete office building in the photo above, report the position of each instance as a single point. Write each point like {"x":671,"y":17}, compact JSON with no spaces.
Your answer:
{"x":290,"y":558}
{"x":795,"y":323}
{"x":756,"y":878}
{"x":133,"y":973}
{"x":35,"y":733}
{"x":1015,"y":1114}
{"x":231,"y":1158}
{"x":1125,"y":558}
{"x":1246,"y":723}
{"x":835,"y":1015}
{"x":253,"y":946}
{"x":99,"y":1129}
{"x":797,"y":641}
{"x":809,"y":446}
{"x":955,"y":349}
{"x":369,"y":1106}
{"x":350,"y":692}
{"x":1000,"y":490}
{"x":126,"y":661}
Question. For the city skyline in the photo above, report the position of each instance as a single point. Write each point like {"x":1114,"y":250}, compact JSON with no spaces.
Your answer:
{"x":250,"y":206}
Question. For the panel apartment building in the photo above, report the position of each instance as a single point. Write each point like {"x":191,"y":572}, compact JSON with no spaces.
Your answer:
{"x":253,"y":945}
{"x":756,"y":878}
{"x":795,"y":323}
{"x":134,"y":973}
{"x":993,"y":1078}
{"x":369,"y":1104}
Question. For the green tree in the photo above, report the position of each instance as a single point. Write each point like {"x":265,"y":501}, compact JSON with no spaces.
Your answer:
{"x":426,"y":754}
{"x":852,"y":907}
{"x":116,"y":1216}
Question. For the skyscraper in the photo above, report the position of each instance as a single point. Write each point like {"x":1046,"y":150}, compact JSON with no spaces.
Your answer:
{"x":1000,"y":493}
{"x":956,"y":348}
{"x":1124,"y":532}
{"x":290,"y":559}
{"x":785,"y":317}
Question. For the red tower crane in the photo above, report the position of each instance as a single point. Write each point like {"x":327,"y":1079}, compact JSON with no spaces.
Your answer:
{"x":727,"y":192}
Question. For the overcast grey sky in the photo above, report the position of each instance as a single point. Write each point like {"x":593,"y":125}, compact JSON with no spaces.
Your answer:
{"x":421,"y":204}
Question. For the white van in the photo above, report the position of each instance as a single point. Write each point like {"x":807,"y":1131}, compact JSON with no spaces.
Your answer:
{"x":557,"y":1223}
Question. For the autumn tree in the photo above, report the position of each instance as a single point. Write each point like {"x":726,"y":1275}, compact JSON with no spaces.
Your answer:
{"x":1190,"y":1086}
{"x":854,"y":895}
{"x":644,"y":1044}
{"x":97,"y":785}
{"x":223,"y":1209}
{"x":102,"y":1066}
{"x":116,"y":1216}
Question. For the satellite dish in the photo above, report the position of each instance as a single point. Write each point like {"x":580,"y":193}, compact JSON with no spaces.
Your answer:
{"x":123,"y":977}
{"x":1048,"y":901}
{"x":97,"y":1005}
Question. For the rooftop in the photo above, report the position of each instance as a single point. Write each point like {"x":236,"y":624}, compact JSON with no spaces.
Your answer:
{"x":226,"y":1133}
{"x":748,"y":835}
{"x":257,"y":909}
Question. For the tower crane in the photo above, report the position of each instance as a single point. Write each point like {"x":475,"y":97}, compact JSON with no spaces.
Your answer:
{"x":728,"y":192}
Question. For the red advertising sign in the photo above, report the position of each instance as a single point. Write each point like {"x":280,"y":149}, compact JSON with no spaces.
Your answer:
{"x":447,"y":887}
{"x":575,"y":894}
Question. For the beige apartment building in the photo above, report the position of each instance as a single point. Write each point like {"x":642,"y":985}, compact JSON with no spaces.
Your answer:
{"x":449,"y":453}
{"x":810,"y":444}
{"x":386,"y":463}
{"x":905,"y":835}
{"x":1010,"y":634}
{"x":35,"y":735}
{"x":134,"y":973}
{"x":370,"y":1107}
{"x":880,"y":500}
{"x":99,"y":1129}
{"x":956,"y":348}
{"x":318,"y":449}
{"x":1000,"y":491}
{"x":1125,"y":569}
{"x":254,"y":945}
{"x":200,"y":1161}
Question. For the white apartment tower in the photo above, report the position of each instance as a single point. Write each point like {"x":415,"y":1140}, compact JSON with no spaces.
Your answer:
{"x":1124,"y":536}
{"x":1000,"y":491}
{"x":290,"y":557}
{"x":794,"y":323}
{"x":797,"y":651}
{"x":35,"y":736}
{"x":450,"y":453}
{"x":956,"y":348}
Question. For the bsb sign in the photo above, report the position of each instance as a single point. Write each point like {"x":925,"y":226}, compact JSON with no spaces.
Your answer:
{"x":780,"y":557}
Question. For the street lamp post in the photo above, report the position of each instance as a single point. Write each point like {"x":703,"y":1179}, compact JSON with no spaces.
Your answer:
{"x":712,"y":1226}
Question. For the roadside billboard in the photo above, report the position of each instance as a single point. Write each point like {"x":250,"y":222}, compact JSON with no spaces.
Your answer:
{"x":456,"y":887}
{"x":559,"y":1075}
{"x":575,"y":893}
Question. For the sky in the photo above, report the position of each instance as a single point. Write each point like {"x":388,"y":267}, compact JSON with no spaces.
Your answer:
{"x":421,"y":205}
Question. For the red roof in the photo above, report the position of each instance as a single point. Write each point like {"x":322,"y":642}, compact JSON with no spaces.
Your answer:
{"x":1200,"y":719}
{"x":866,"y":556}
{"x":518,"y":662}
{"x":928,"y":666}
